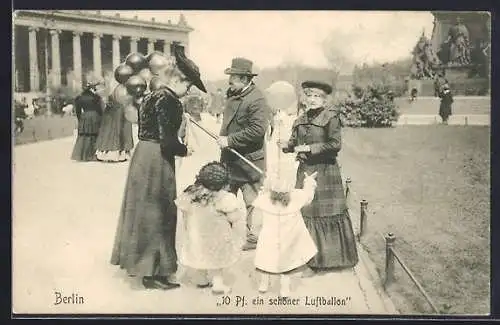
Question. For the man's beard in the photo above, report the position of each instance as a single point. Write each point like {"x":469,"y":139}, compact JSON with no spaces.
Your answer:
{"x":232,"y":91}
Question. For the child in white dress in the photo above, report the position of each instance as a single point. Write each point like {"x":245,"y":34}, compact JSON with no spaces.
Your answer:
{"x":214,"y":225}
{"x":284,"y":242}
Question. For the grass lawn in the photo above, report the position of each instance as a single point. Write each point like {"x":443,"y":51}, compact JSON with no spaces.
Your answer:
{"x":430,"y":186}
{"x":41,"y":128}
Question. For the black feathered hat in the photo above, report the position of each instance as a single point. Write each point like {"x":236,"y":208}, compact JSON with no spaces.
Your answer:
{"x":188,"y":67}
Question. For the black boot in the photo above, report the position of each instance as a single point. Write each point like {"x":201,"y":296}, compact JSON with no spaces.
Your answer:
{"x":163,"y":283}
{"x":148,"y":282}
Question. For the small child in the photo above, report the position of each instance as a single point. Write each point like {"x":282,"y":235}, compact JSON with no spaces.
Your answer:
{"x":214,"y":225}
{"x":413,"y":94}
{"x":284,"y":242}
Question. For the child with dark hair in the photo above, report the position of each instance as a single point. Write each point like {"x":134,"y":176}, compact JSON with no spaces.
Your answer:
{"x":413,"y":95}
{"x":214,"y":226}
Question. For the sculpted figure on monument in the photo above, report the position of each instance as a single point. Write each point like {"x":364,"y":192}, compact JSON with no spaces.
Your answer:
{"x":458,"y":44}
{"x":425,"y":61}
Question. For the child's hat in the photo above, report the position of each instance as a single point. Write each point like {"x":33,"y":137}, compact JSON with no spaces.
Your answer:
{"x":213,"y":176}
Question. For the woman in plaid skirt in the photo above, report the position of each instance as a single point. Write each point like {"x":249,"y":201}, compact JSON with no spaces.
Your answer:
{"x":316,"y":138}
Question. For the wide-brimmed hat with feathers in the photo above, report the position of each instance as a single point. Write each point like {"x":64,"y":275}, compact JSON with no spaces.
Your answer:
{"x":188,"y":67}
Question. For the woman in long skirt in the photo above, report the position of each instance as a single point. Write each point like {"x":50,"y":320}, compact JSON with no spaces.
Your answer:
{"x":316,"y":138}
{"x":145,"y":237}
{"x":89,"y":107}
{"x":445,"y":105}
{"x":115,"y":140}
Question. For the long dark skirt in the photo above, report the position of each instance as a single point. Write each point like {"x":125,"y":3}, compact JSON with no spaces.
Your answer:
{"x":335,"y":240}
{"x":115,"y":139}
{"x":88,"y":130}
{"x":445,"y":108}
{"x":327,"y":218}
{"x":145,"y":237}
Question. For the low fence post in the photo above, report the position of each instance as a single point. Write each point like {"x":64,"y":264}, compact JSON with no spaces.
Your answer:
{"x":347,"y":187}
{"x":389,"y":259}
{"x":49,"y":134}
{"x":362,"y":222}
{"x":34,"y":136}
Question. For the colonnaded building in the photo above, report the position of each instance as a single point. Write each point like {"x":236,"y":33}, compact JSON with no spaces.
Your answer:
{"x":62,"y":48}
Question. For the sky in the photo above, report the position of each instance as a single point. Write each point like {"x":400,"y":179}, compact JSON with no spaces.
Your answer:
{"x":269,"y":38}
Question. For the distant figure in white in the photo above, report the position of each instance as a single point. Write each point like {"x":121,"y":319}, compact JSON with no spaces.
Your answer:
{"x":205,"y":149}
{"x":282,"y":99}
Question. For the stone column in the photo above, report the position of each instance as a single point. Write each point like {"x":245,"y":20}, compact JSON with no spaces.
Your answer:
{"x":97,"y":55}
{"x":77,"y":60}
{"x":56,"y":58}
{"x":151,"y":45}
{"x":33,"y":57}
{"x":133,"y":44}
{"x":116,"y":51}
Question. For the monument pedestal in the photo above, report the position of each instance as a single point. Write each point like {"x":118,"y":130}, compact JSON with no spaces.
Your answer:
{"x":458,"y":73}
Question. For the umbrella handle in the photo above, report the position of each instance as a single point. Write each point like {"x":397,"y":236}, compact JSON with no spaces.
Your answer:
{"x":251,"y":164}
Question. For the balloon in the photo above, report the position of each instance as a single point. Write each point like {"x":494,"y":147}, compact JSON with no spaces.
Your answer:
{"x":121,"y":95}
{"x":123,"y":72}
{"x":136,"y":61}
{"x":146,"y":74}
{"x":136,"y":85}
{"x":156,"y":84}
{"x":131,"y":113}
{"x":156,"y":61}
{"x":281,"y":95}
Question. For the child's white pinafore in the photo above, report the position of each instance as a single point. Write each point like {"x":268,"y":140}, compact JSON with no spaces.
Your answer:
{"x":284,"y":241}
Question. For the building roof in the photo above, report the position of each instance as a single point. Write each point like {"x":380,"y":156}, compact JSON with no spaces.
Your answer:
{"x":97,"y":16}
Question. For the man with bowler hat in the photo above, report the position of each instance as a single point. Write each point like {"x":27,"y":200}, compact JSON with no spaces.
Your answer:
{"x":245,"y":121}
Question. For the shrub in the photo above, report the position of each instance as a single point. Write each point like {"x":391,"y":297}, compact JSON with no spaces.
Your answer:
{"x":371,"y":106}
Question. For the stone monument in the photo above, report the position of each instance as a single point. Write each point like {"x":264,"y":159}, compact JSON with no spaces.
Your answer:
{"x":459,"y":49}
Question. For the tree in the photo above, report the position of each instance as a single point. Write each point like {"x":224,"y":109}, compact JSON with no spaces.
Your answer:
{"x":336,"y":50}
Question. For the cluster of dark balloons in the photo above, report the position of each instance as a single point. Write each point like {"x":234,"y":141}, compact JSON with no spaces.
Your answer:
{"x":134,"y":75}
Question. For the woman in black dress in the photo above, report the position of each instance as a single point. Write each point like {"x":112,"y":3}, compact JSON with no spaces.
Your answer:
{"x":145,"y":238}
{"x":445,"y":106}
{"x":89,"y":107}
